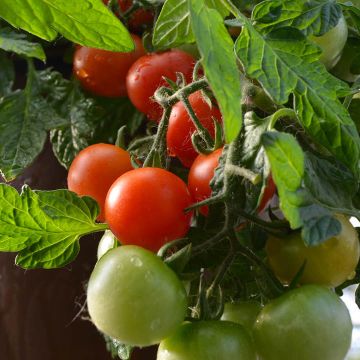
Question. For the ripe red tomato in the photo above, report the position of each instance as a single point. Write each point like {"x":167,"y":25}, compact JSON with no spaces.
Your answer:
{"x":104,"y":72}
{"x":181,"y":127}
{"x":268,"y":194}
{"x":146,"y":75}
{"x":200,"y":175}
{"x":145,"y":207}
{"x":138,"y":19}
{"x":94,"y":170}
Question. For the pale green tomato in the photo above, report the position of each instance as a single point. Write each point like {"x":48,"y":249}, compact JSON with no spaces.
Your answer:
{"x":107,"y":242}
{"x":308,"y":323}
{"x":330,"y":263}
{"x":332,"y":43}
{"x":134,"y":297}
{"x":208,"y":340}
{"x":242,"y":312}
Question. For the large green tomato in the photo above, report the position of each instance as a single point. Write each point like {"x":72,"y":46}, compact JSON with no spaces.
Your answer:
{"x":242,"y":312}
{"x":332,"y":43}
{"x":134,"y":297}
{"x":330,"y":263}
{"x":208,"y":340}
{"x":308,"y":323}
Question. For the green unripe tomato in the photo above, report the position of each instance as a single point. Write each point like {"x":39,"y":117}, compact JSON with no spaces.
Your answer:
{"x":332,"y":43}
{"x":308,"y":323}
{"x":330,"y":263}
{"x":106,"y":243}
{"x":350,"y":54}
{"x":242,"y":312}
{"x":134,"y":297}
{"x":208,"y":340}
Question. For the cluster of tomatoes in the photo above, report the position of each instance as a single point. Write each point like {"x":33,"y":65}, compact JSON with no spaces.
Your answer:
{"x":133,"y":296}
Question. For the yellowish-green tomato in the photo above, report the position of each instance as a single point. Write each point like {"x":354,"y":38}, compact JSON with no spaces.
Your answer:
{"x":330,"y":263}
{"x":242,"y":312}
{"x":332,"y":43}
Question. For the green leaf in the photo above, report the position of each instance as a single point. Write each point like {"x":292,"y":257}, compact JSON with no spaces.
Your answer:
{"x":285,"y":63}
{"x":25,"y":118}
{"x":219,"y":62}
{"x":330,"y":184}
{"x":7,"y":75}
{"x":45,"y":226}
{"x":88,"y":120}
{"x":85,"y":22}
{"x":287,"y":162}
{"x":354,"y":14}
{"x":173,"y":26}
{"x":18,"y":43}
{"x":310,"y":17}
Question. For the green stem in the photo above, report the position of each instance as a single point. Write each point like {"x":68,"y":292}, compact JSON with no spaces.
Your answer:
{"x":281,"y":113}
{"x":203,"y":132}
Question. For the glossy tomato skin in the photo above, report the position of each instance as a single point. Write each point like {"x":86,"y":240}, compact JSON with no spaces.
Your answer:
{"x":243,"y":313}
{"x":104,"y":72}
{"x":107,"y":242}
{"x":268,"y":194}
{"x":208,"y":340}
{"x":308,"y":323}
{"x":201,"y":172}
{"x":134,"y":297}
{"x":332,"y":43}
{"x":145,"y":207}
{"x":146,"y":75}
{"x":181,"y":127}
{"x":94,"y":170}
{"x":330,"y":263}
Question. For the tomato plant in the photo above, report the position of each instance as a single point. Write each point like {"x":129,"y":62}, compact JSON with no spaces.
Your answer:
{"x":208,"y":339}
{"x":94,"y":170}
{"x":90,"y":64}
{"x":311,"y":322}
{"x":201,"y":172}
{"x":181,"y":127}
{"x":148,"y":73}
{"x":254,"y":102}
{"x":134,"y":297}
{"x":153,"y":201}
{"x":330,"y":263}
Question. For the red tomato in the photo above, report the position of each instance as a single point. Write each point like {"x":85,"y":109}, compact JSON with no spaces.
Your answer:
{"x":200,"y":175}
{"x":145,"y":207}
{"x":269,"y":192}
{"x":94,"y":170}
{"x":104,"y":72}
{"x":181,"y":127}
{"x":146,"y":75}
{"x":139,"y":18}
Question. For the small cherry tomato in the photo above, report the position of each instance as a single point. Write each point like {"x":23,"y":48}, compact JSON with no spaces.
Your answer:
{"x":201,"y":172}
{"x":138,"y":19}
{"x":205,"y":340}
{"x":308,"y":323}
{"x":330,"y":263}
{"x":145,"y":207}
{"x":104,"y":72}
{"x":243,"y":313}
{"x":95,"y":169}
{"x":107,"y":243}
{"x":134,"y":297}
{"x":181,"y":127}
{"x":332,"y":43}
{"x":146,"y":75}
{"x":268,"y":194}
